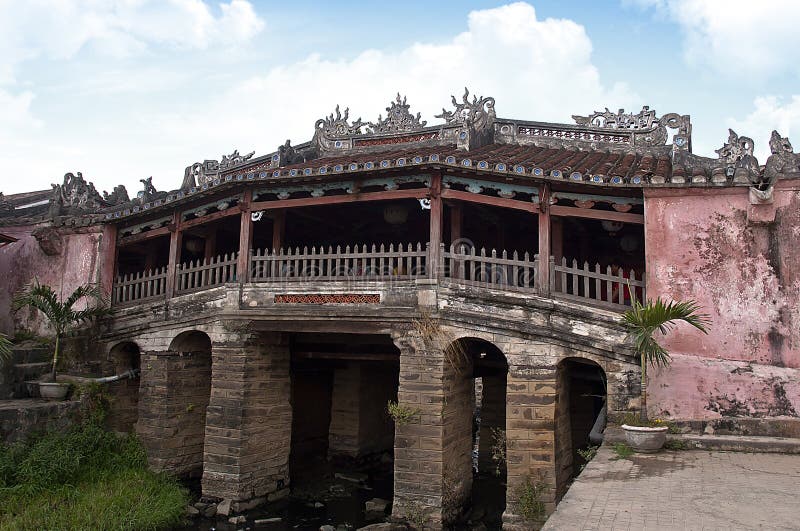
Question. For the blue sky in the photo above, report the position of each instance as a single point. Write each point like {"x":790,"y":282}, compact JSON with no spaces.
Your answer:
{"x":125,"y":89}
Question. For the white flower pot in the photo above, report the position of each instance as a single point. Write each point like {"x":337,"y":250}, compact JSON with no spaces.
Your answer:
{"x":53,"y":390}
{"x":645,"y":439}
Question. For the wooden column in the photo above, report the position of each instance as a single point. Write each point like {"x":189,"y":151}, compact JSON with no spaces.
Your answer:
{"x":435,"y":239}
{"x":108,"y":257}
{"x":278,"y":229}
{"x":544,"y":240}
{"x":210,"y":243}
{"x":175,"y":242}
{"x":245,"y":238}
{"x":456,"y":221}
{"x":557,"y":244}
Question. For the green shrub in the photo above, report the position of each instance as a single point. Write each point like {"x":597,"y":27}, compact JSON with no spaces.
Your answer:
{"x":529,"y":500}
{"x":85,"y":478}
{"x":401,"y":413}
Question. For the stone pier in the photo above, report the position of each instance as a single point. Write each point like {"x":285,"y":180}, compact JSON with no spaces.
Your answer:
{"x":248,"y":428}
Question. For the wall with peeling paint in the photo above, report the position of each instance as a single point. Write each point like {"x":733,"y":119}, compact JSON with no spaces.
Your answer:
{"x":746,"y":275}
{"x":77,"y":264}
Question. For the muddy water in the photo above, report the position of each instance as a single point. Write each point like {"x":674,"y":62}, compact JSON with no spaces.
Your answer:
{"x":328,"y":501}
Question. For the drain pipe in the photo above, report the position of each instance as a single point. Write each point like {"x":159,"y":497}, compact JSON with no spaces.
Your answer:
{"x":596,"y":435}
{"x":129,"y":374}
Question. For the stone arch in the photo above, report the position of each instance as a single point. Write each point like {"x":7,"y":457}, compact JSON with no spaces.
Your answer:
{"x":475,"y":409}
{"x":582,"y":401}
{"x":189,"y":390}
{"x":124,"y":409}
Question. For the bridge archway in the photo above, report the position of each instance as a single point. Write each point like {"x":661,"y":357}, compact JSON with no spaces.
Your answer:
{"x":124,"y":413}
{"x":191,"y":391}
{"x":476,"y":410}
{"x":582,"y":395}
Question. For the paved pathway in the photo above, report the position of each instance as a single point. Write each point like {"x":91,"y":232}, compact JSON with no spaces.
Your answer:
{"x":697,"y":489}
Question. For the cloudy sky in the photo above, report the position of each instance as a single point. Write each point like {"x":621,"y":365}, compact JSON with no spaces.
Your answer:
{"x":125,"y":89}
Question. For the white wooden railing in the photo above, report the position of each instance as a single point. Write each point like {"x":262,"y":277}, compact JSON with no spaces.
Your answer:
{"x":596,"y":285}
{"x":141,"y":286}
{"x":206,"y":273}
{"x":356,"y":263}
{"x":613,"y":287}
{"x":463,"y":265}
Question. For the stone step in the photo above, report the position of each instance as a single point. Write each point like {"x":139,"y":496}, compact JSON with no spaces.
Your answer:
{"x":30,"y":355}
{"x":740,"y":443}
{"x":30,"y":371}
{"x":722,"y":443}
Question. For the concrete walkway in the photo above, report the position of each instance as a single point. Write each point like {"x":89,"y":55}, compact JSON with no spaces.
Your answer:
{"x":696,"y":489}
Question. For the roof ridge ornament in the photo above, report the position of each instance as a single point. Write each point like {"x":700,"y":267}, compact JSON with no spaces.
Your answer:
{"x":234,"y":159}
{"x":782,"y":160}
{"x":398,"y":119}
{"x":337,"y":126}
{"x":736,"y":148}
{"x":644,"y":119}
{"x":477,"y":112}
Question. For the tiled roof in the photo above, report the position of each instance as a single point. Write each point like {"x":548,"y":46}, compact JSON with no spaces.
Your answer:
{"x":598,"y":167}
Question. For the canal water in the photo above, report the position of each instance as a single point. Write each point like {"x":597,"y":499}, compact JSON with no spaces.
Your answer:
{"x":337,"y":499}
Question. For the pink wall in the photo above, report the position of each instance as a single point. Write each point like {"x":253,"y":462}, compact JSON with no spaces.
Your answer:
{"x":23,"y":260}
{"x":746,"y":275}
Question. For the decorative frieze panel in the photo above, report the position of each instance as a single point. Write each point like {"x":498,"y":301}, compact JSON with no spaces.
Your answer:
{"x":216,"y":206}
{"x":506,"y":190}
{"x":324,"y":298}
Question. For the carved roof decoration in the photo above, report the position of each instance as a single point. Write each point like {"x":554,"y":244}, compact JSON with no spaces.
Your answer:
{"x":337,"y":126}
{"x":478,"y":112}
{"x":736,"y":148}
{"x":234,"y":159}
{"x":602,"y":149}
{"x":398,"y":119}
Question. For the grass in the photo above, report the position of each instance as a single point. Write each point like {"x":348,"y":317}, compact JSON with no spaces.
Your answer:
{"x":85,"y":478}
{"x":530,"y":505}
{"x":622,"y":450}
{"x":676,"y":444}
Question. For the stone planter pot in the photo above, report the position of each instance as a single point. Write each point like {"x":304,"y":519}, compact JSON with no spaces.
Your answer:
{"x":53,"y":390}
{"x":644,"y":439}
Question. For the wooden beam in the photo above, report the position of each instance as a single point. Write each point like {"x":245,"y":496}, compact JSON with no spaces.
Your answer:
{"x":278,"y":229}
{"x":544,"y":240}
{"x":575,"y":212}
{"x":435,"y":224}
{"x":354,"y":356}
{"x":245,"y":237}
{"x":503,"y":202}
{"x":231,"y":211}
{"x":413,"y":193}
{"x":142,"y":236}
{"x":175,"y":242}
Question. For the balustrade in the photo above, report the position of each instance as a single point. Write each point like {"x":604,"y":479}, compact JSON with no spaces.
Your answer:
{"x":356,"y":263}
{"x":458,"y":265}
{"x":206,"y":273}
{"x":613,"y":287}
{"x":464,"y":266}
{"x":141,"y":286}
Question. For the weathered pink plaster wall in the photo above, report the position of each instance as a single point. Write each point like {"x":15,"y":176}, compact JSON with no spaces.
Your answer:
{"x":747,"y":277}
{"x":24,"y":260}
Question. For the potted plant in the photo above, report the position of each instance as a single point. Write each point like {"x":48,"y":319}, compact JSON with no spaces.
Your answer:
{"x":642,"y":321}
{"x":63,"y":317}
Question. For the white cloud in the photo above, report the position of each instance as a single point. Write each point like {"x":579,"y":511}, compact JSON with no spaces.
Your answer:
{"x":60,"y":29}
{"x":536,"y":69}
{"x":770,"y":113}
{"x":737,"y":37}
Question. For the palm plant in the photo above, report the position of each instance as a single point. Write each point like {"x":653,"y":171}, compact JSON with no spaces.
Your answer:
{"x":5,"y":351}
{"x":643,"y":320}
{"x":61,"y":314}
